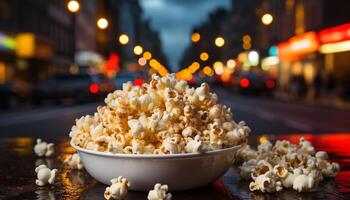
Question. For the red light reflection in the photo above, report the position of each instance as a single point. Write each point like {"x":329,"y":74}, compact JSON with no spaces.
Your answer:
{"x":244,"y":83}
{"x":338,"y":147}
{"x":94,"y":88}
{"x":138,"y":82}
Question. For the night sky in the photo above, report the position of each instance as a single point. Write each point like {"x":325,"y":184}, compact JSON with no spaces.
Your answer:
{"x":175,"y":19}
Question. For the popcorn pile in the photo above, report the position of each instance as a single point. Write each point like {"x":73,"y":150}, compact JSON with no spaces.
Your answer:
{"x":285,"y":165}
{"x":165,"y":116}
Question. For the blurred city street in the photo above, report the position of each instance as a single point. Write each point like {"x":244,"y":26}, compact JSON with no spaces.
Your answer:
{"x":265,"y":117}
{"x":282,"y":66}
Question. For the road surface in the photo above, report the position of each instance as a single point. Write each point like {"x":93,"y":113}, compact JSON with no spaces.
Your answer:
{"x":264,"y":116}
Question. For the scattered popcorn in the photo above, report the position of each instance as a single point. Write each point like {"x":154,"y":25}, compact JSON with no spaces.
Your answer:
{"x":43,"y":148}
{"x":159,"y":193}
{"x":118,"y":190}
{"x":74,"y":161}
{"x":285,"y":165}
{"x":45,"y":175}
{"x":165,"y":116}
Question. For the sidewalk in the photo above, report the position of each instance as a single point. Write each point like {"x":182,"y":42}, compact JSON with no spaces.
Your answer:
{"x":331,"y":102}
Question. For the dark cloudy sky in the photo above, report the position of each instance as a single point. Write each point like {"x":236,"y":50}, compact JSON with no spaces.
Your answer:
{"x":174,"y":19}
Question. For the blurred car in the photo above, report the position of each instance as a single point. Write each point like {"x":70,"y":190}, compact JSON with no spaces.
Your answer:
{"x":137,"y":78}
{"x":256,"y":83}
{"x":81,"y":87}
{"x":13,"y":94}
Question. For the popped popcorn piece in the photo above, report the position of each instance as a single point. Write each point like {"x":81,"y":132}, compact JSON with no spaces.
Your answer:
{"x":43,"y":148}
{"x":247,"y":168}
{"x":195,"y":146}
{"x":165,"y":116}
{"x":118,"y":190}
{"x":160,"y":192}
{"x":45,"y":175}
{"x":266,"y":183}
{"x":303,"y":183}
{"x":74,"y":161}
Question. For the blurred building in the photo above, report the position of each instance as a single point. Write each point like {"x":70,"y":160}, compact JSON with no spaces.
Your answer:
{"x":41,"y":34}
{"x":289,"y":45}
{"x":139,"y":32}
{"x":296,"y":31}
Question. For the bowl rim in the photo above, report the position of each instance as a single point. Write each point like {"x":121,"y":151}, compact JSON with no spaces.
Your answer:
{"x":152,"y":156}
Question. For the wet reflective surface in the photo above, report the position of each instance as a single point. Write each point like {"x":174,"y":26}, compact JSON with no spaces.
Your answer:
{"x":18,"y":162}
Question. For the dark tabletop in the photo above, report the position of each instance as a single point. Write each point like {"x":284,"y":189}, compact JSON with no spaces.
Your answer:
{"x":18,"y":161}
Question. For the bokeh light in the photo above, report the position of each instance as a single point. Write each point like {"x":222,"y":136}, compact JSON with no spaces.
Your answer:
{"x":253,"y":58}
{"x":218,"y":67}
{"x":138,"y":50}
{"x":204,"y":56}
{"x":102,"y":23}
{"x":142,"y":61}
{"x":219,"y":41}
{"x":195,"y":37}
{"x":147,"y":55}
{"x":231,"y":64}
{"x":73,"y":6}
{"x":123,"y":39}
{"x":267,"y":19}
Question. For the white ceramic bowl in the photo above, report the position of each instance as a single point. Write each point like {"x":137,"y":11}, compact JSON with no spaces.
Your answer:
{"x":178,"y":171}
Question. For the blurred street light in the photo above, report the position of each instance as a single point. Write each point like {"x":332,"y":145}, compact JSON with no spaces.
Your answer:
{"x":138,"y":50}
{"x":218,"y":67}
{"x":142,"y":61}
{"x":267,"y":19}
{"x":73,"y":6}
{"x":219,"y":41}
{"x":123,"y":39}
{"x":246,"y":39}
{"x":204,"y":56}
{"x":153,"y":63}
{"x":102,"y":23}
{"x":194,"y":67}
{"x":253,"y":58}
{"x":195,"y":37}
{"x":231,"y":64}
{"x":208,"y":71}
{"x":147,"y":55}
{"x":247,"y":46}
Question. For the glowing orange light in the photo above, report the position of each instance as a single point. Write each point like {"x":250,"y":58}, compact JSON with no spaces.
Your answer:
{"x":246,"y":39}
{"x":147,"y":55}
{"x":208,"y":71}
{"x":298,"y":46}
{"x":94,"y":88}
{"x":263,"y":139}
{"x":204,"y":56}
{"x":153,"y":63}
{"x":244,"y":83}
{"x":195,"y":37}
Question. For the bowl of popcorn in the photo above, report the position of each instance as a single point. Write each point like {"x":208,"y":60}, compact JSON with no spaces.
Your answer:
{"x":163,"y":131}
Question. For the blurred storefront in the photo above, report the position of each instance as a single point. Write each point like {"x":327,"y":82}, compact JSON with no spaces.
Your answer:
{"x":7,"y":53}
{"x":299,"y":64}
{"x":335,"y":46}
